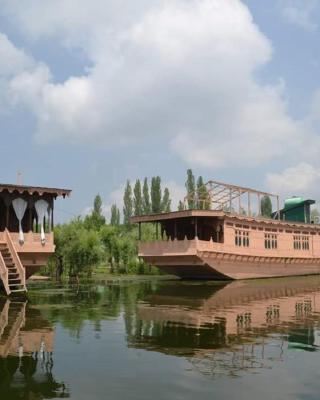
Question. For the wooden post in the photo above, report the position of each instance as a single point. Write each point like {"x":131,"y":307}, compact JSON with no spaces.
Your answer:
{"x":139,"y":238}
{"x":157,"y":231}
{"x":7,"y":216}
{"x":7,"y":201}
{"x":175,"y":229}
{"x":52,"y":224}
{"x":196,"y":228}
{"x":30,"y":219}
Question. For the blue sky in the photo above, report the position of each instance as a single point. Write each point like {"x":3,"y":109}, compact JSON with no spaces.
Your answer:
{"x":93,"y":93}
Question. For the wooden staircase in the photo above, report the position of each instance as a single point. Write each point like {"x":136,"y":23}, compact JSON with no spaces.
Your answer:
{"x":12,"y":271}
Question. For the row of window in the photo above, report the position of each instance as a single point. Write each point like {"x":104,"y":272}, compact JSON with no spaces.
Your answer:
{"x":241,"y":238}
{"x":270,"y":241}
{"x":300,"y":242}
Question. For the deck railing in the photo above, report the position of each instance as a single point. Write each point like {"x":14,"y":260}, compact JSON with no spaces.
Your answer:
{"x":4,"y":273}
{"x":170,"y":247}
{"x":32,"y":242}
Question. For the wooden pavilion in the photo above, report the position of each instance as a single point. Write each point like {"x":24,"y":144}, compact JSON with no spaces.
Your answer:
{"x":26,"y":232}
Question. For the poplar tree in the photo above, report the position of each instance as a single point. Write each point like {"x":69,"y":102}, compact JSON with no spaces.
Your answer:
{"x":137,"y":200}
{"x":166,"y":201}
{"x":203,"y":198}
{"x":115,"y":215}
{"x":146,"y":206}
{"x":127,"y":204}
{"x":156,"y":194}
{"x":191,"y":190}
{"x":95,"y":220}
{"x":181,"y":206}
{"x":266,"y":206}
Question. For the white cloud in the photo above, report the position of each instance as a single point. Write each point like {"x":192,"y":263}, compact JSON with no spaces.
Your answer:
{"x":181,"y":70}
{"x":302,"y":179}
{"x":300,"y":13}
{"x":12,"y":60}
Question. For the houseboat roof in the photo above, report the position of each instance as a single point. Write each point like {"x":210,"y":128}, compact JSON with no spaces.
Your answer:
{"x":222,"y":214}
{"x":34,"y":190}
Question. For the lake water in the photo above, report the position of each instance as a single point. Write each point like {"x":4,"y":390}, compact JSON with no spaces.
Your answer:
{"x":163,"y":339}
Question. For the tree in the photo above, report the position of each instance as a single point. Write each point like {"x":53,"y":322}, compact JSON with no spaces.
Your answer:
{"x":115,"y":215}
{"x":156,"y":194}
{"x":137,"y":200}
{"x":146,"y":206}
{"x":266,"y":206}
{"x":203,"y":197}
{"x":315,"y":216}
{"x":95,"y":220}
{"x":166,"y":201}
{"x":191,"y":190}
{"x":181,"y":206}
{"x":127,"y":204}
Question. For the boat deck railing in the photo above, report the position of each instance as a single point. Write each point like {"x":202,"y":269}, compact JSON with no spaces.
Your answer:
{"x":32,"y":241}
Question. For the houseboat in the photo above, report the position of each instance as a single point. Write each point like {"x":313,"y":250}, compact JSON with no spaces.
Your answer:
{"x":26,"y":232}
{"x":223,"y":237}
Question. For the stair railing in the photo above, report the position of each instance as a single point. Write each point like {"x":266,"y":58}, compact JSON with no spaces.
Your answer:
{"x":16,"y":258}
{"x":4,"y":273}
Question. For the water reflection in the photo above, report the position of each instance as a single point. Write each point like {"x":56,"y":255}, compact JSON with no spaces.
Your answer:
{"x":26,"y":353}
{"x":230,"y":328}
{"x":180,"y":335}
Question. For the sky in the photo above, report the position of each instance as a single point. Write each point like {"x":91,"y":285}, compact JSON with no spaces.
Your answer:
{"x":95,"y":93}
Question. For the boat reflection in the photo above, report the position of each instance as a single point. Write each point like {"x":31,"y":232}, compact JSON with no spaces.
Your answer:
{"x":26,"y":353}
{"x":233,"y":327}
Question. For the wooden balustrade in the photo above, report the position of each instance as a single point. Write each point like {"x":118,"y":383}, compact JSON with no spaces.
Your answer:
{"x":178,"y":247}
{"x":4,"y":273}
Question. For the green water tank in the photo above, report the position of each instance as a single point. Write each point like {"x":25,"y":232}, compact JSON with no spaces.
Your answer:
{"x":296,"y":209}
{"x":293,"y":202}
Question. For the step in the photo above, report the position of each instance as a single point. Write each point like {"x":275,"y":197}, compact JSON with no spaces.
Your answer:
{"x":18,"y":290}
{"x":16,"y":286}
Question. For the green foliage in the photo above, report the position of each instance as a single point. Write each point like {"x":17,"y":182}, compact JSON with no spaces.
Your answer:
{"x":181,"y":206}
{"x":266,"y":206}
{"x":166,"y":201}
{"x":115,"y":215}
{"x":156,"y":195}
{"x":80,"y":247}
{"x":203,"y":198}
{"x":146,"y":205}
{"x":95,"y":220}
{"x":127,"y":204}
{"x":191,"y":189}
{"x":137,"y":200}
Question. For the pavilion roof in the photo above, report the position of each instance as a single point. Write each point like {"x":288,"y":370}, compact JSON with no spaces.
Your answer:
{"x":223,"y":214}
{"x":34,"y":190}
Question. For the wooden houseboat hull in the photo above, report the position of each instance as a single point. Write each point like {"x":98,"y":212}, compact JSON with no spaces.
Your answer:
{"x":215,"y":267}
